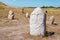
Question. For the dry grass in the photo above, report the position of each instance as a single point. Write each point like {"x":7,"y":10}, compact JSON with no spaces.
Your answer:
{"x":18,"y":29}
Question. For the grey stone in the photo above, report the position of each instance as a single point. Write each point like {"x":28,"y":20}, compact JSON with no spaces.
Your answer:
{"x":38,"y":22}
{"x":27,"y":15}
{"x":52,"y":19}
{"x":11,"y":15}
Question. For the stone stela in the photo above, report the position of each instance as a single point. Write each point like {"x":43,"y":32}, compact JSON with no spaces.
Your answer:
{"x":11,"y":15}
{"x":52,"y":19}
{"x":38,"y":22}
{"x":27,"y":15}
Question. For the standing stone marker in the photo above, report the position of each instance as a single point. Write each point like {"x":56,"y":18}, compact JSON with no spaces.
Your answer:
{"x":23,"y":10}
{"x":46,"y":11}
{"x":27,"y":15}
{"x":38,"y":22}
{"x":11,"y":15}
{"x":52,"y":19}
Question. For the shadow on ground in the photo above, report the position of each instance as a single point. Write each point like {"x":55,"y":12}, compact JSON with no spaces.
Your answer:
{"x":49,"y":33}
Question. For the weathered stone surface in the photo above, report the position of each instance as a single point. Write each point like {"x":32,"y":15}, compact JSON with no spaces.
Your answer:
{"x":52,"y":19}
{"x":37,"y":22}
{"x":11,"y":15}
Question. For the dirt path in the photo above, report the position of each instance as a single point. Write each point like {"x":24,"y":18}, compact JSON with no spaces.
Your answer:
{"x":13,"y":33}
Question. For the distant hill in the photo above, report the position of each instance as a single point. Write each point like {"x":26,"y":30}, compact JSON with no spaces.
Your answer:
{"x":4,"y":6}
{"x":49,"y":7}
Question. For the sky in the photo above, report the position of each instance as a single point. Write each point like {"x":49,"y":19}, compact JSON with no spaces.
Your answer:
{"x":31,"y":3}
